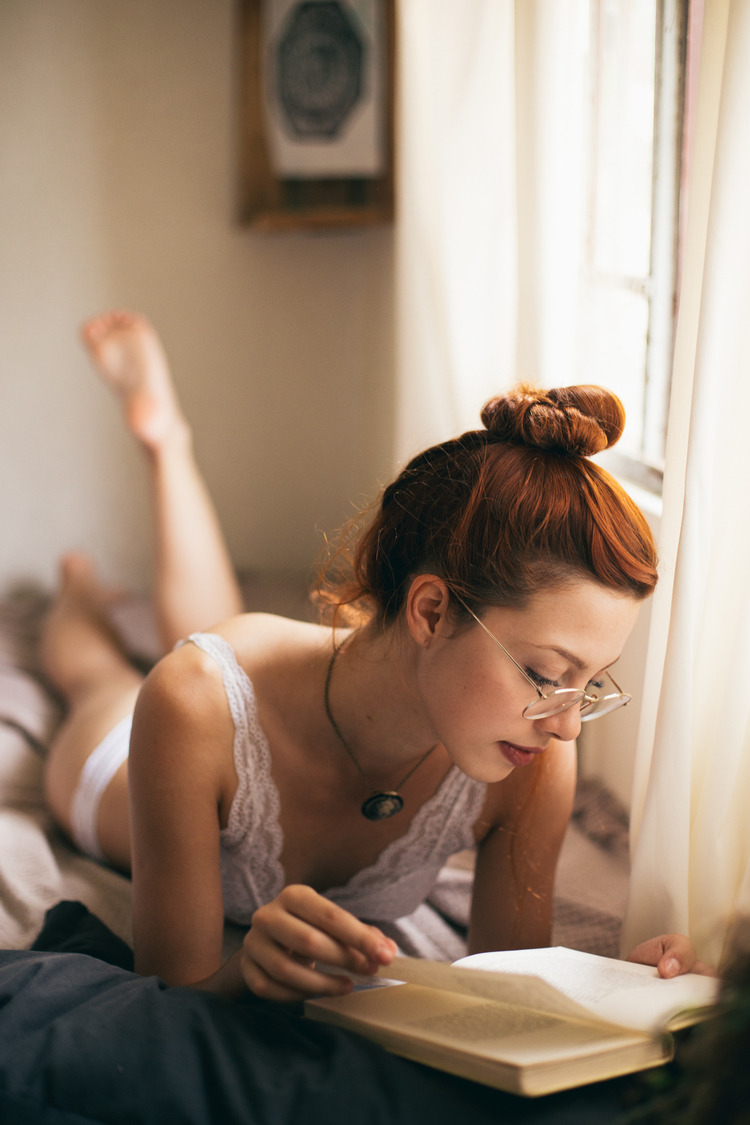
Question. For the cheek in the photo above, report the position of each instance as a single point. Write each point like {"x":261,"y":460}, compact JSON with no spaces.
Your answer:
{"x":468,"y":702}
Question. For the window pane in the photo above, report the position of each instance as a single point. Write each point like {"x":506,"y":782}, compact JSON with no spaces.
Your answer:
{"x":613,"y":343}
{"x":624,"y":137}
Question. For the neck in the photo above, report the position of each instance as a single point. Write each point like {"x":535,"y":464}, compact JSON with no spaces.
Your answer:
{"x":375,"y":702}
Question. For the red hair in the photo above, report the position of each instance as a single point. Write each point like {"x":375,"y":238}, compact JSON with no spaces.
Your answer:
{"x":501,"y":513}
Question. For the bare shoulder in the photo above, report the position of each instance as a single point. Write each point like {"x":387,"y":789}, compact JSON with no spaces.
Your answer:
{"x":186,"y":682}
{"x":182,"y":726}
{"x":183,"y":701}
{"x":188,"y":676}
{"x":263,"y":640}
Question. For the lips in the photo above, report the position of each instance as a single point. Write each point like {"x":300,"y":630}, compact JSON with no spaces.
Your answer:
{"x":519,"y":755}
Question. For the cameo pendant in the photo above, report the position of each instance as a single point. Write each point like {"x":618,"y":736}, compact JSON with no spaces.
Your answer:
{"x":381,"y":806}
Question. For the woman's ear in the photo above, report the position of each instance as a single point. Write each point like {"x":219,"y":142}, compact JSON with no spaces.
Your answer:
{"x":427,"y":608}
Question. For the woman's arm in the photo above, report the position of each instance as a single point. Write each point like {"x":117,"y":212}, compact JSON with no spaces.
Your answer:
{"x":514,"y":881}
{"x":181,"y":772}
{"x":182,"y":781}
{"x":517,"y":859}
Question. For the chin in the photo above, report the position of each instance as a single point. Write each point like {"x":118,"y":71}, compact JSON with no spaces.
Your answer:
{"x":489,"y":770}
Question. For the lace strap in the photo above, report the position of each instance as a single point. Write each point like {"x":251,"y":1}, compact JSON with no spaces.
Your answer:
{"x":255,"y":809}
{"x":236,"y":683}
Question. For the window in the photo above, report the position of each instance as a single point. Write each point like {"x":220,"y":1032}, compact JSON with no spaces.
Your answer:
{"x":637,"y":68}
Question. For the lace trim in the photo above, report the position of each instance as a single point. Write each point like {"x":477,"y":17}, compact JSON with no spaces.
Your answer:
{"x":254,"y":814}
{"x":460,"y":800}
{"x":256,"y":807}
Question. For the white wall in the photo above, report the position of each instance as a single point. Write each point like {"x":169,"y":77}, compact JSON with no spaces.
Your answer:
{"x":117,"y":157}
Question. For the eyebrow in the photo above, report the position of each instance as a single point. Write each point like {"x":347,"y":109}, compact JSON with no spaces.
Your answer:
{"x":569,"y":656}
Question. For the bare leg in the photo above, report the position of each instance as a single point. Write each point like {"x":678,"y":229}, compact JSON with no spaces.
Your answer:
{"x":83,"y":659}
{"x":195,"y":583}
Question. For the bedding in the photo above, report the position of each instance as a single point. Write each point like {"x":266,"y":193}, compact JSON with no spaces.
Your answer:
{"x":85,"y":1040}
{"x":71,"y":1007}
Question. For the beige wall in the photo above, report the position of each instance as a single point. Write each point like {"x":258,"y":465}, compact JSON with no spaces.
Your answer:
{"x":117,"y":187}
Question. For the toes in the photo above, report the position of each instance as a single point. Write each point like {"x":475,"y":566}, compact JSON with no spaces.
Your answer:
{"x":77,"y":569}
{"x":94,"y":331}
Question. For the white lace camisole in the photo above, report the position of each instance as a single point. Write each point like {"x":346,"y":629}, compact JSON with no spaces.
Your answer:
{"x":251,"y":844}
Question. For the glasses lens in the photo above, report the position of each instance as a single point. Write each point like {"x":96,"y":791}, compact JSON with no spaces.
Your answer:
{"x":602,"y":706}
{"x":553,"y":703}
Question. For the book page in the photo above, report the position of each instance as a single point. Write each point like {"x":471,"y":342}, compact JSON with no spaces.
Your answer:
{"x":516,"y":990}
{"x":490,"y":1041}
{"x":566,"y":983}
{"x":584,"y":977}
{"x":623,"y":992}
{"x":474,"y":1022}
{"x":518,"y":1036}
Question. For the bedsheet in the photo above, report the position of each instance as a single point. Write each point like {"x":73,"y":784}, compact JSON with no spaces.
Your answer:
{"x":85,"y":1040}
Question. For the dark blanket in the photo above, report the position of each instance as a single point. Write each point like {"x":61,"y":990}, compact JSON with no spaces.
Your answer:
{"x":83,"y":1039}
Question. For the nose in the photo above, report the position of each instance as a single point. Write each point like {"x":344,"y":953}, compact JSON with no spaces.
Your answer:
{"x":564,"y":726}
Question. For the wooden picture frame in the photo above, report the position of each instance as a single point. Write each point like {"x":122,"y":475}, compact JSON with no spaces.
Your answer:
{"x":270,"y":197}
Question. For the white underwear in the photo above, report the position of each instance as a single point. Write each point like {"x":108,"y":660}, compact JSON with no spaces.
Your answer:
{"x":101,"y":766}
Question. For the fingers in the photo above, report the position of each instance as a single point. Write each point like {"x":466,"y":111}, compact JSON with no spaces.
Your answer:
{"x":704,"y":970}
{"x":672,"y":954}
{"x":298,"y":931}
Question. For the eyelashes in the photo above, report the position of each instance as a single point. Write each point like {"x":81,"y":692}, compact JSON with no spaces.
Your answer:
{"x":543,"y":682}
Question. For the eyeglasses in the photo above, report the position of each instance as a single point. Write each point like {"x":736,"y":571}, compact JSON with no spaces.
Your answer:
{"x":553,"y":702}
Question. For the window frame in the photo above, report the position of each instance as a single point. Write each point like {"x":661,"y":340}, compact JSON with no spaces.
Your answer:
{"x":660,"y":287}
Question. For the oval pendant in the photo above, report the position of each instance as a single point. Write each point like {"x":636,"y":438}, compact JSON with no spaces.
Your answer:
{"x":382,"y":805}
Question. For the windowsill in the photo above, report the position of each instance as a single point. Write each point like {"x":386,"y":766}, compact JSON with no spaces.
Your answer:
{"x":646,"y":495}
{"x":649,"y":502}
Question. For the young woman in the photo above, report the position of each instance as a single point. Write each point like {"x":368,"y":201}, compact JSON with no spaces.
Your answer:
{"x":308,"y":781}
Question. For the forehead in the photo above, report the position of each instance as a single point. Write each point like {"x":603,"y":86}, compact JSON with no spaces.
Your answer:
{"x":582,"y":619}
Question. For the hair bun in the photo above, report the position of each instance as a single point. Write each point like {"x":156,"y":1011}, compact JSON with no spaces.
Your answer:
{"x":578,"y":421}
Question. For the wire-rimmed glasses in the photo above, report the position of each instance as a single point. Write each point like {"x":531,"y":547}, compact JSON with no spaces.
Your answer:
{"x":560,"y":699}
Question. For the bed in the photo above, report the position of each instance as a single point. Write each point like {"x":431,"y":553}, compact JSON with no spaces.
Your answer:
{"x":222,"y":1071}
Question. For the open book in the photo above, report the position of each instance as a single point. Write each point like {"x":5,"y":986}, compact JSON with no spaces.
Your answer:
{"x":530,"y":1021}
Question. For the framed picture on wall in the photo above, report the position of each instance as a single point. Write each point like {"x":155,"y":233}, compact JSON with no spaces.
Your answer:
{"x":316,"y":112}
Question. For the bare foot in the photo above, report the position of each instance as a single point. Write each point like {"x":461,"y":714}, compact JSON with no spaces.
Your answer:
{"x":79,"y":580}
{"x":128,"y":353}
{"x":78,"y":644}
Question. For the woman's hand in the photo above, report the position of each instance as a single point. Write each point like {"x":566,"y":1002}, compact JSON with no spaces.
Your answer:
{"x":300,"y":929}
{"x":672,"y":954}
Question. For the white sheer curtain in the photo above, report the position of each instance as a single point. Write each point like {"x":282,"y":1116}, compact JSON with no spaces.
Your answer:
{"x":489,"y":225}
{"x":691,"y":823}
{"x":490,"y":202}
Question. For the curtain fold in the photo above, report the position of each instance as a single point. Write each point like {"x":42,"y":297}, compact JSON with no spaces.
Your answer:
{"x":690,"y":826}
{"x":490,"y":202}
{"x":491,"y":159}
{"x":456,"y":293}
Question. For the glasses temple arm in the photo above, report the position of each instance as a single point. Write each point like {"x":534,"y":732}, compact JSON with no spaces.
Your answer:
{"x":502,"y":647}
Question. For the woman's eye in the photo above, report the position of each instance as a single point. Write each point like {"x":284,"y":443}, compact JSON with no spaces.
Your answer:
{"x":597,"y":685}
{"x":541,"y":681}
